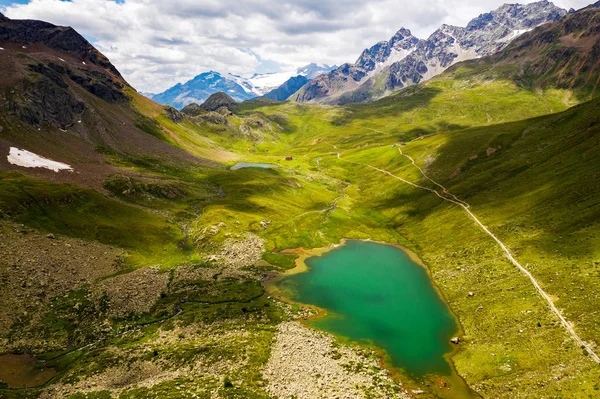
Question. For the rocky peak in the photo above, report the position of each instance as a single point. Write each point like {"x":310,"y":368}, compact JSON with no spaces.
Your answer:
{"x":56,"y":37}
{"x":386,"y":52}
{"x":218,"y":100}
{"x":406,"y":60}
{"x":208,"y":76}
{"x":401,"y":34}
{"x":521,"y":15}
{"x":403,"y":40}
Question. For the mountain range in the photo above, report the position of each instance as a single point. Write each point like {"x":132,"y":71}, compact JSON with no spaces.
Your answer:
{"x":405,"y":60}
{"x":198,"y":89}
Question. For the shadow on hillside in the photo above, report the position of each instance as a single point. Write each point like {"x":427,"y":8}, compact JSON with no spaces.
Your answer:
{"x":402,"y":101}
{"x":242,"y":185}
{"x":535,"y":178}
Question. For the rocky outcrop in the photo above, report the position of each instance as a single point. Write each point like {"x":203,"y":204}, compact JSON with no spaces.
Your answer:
{"x":212,"y":117}
{"x":45,"y":101}
{"x":217,"y":101}
{"x":405,"y":60}
{"x":173,"y":114}
{"x":192,"y":109}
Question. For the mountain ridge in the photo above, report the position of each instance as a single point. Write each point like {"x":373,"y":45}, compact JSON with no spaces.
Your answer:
{"x":200,"y":87}
{"x":423,"y":59}
{"x":287,"y":89}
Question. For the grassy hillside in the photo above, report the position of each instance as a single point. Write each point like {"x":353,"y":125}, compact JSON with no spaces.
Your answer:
{"x":538,"y":193}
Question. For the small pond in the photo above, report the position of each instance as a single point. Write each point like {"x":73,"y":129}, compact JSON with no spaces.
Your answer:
{"x":242,"y":165}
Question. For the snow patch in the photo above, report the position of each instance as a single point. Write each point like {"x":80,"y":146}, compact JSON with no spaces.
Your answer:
{"x":515,"y":33}
{"x":260,"y":84}
{"x":30,"y":160}
{"x":61,"y":59}
{"x":434,"y":66}
{"x":83,"y":62}
{"x":1,"y":48}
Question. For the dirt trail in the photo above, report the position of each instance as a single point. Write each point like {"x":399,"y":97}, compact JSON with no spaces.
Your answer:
{"x":447,"y":196}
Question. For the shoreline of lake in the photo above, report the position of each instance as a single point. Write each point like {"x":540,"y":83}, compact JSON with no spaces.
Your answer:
{"x":438,"y":380}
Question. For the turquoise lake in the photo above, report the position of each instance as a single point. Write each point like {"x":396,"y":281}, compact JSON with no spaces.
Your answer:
{"x":376,"y":294}
{"x":242,"y":165}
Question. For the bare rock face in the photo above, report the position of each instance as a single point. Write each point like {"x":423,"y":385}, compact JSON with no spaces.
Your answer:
{"x":46,"y":100}
{"x":405,"y":60}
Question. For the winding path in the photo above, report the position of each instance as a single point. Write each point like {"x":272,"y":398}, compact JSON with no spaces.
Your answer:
{"x":447,"y":196}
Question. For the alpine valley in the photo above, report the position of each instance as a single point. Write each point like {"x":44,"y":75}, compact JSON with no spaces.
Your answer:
{"x":423,"y":223}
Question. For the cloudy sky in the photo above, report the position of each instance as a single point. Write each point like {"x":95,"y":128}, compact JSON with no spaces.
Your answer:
{"x":157,"y":43}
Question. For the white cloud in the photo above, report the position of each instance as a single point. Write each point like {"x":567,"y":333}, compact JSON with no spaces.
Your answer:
{"x":157,"y":43}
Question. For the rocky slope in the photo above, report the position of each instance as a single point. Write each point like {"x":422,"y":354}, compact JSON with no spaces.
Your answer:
{"x":291,"y":86}
{"x":406,"y":60}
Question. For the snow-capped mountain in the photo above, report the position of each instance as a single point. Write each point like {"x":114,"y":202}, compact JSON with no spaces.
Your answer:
{"x":405,"y":60}
{"x":313,"y":70}
{"x":349,"y":77}
{"x":198,"y":89}
{"x":261,"y":84}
